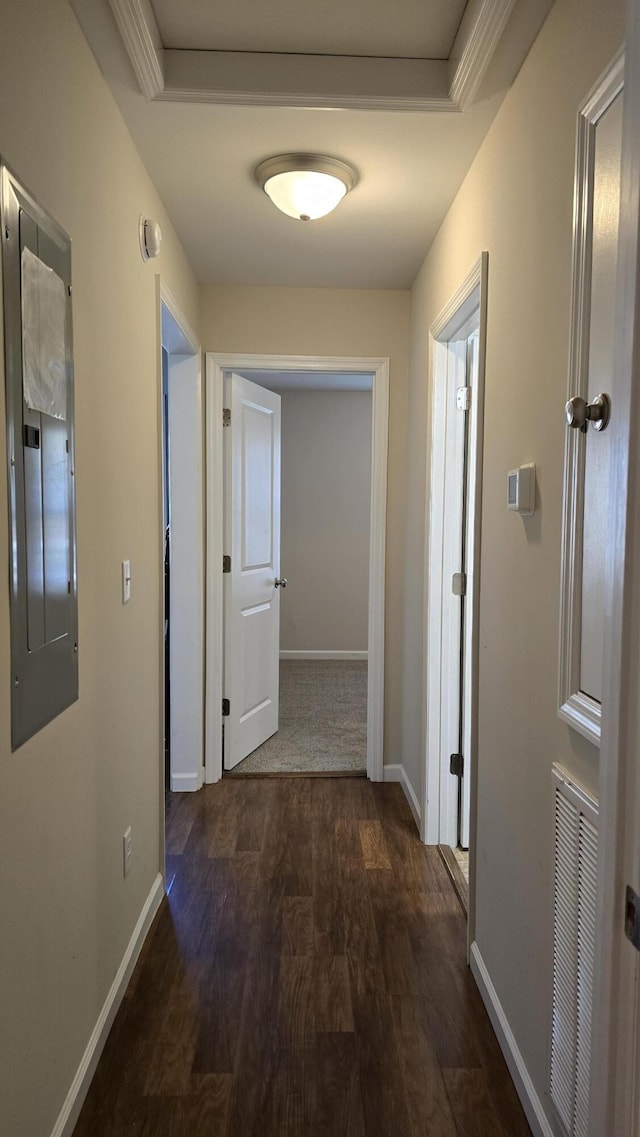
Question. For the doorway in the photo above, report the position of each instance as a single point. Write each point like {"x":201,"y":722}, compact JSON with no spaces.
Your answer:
{"x":182,"y":553}
{"x":287,"y":369}
{"x":307,"y":712}
{"x":452,"y":588}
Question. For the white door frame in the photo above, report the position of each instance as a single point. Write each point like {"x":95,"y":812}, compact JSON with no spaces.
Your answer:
{"x":471,"y":296}
{"x":216,"y":366}
{"x":615,"y":1081}
{"x":186,"y":490}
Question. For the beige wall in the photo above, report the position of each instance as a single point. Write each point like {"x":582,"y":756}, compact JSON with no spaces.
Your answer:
{"x":67,"y":796}
{"x":517,"y":203}
{"x":326,"y":321}
{"x":326,"y":494}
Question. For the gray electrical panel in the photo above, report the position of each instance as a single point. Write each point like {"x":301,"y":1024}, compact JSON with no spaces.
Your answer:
{"x":36,"y":284}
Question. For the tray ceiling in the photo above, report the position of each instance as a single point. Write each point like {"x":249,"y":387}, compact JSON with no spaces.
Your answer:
{"x":201,"y":143}
{"x":415,"y":28}
{"x":294,"y":53}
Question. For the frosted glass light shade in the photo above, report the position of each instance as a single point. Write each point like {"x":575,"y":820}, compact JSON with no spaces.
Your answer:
{"x":305,"y":186}
{"x":305,"y":194}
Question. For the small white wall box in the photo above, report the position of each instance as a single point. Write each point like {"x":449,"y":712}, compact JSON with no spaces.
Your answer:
{"x":521,"y":489}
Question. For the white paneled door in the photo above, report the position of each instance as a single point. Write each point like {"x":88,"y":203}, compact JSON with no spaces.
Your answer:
{"x":252,"y":541}
{"x":588,"y":450}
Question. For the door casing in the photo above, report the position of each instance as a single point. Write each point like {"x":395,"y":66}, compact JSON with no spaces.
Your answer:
{"x":216,"y":366}
{"x":470,"y":297}
{"x":186,"y":491}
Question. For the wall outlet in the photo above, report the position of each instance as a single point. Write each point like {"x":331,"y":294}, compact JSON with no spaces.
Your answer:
{"x":126,"y":582}
{"x":127,"y":851}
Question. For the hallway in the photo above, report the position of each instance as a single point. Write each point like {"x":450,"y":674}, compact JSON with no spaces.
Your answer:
{"x":305,"y":978}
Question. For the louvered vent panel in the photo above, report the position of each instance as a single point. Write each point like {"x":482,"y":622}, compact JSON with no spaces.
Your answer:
{"x":588,"y":867}
{"x":575,"y":868}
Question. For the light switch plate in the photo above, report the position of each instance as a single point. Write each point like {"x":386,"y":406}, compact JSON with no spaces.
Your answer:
{"x":126,"y":582}
{"x":521,"y":489}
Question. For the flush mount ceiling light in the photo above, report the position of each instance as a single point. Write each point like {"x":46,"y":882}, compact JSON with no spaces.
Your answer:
{"x":305,"y":186}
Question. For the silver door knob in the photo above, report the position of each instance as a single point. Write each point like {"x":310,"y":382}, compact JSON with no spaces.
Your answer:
{"x":579,"y":413}
{"x":281,"y":582}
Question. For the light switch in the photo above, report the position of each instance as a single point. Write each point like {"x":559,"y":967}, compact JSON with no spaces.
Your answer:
{"x":126,"y":582}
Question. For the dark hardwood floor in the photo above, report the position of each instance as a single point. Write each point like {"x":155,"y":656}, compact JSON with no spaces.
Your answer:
{"x":306,"y":977}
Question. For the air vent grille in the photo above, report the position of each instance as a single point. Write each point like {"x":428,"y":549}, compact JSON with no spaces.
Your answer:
{"x":574,"y":908}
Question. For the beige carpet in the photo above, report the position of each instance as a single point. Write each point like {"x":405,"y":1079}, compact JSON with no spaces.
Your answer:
{"x":323,"y":720}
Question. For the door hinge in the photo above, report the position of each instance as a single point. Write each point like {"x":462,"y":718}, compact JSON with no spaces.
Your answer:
{"x":456,"y":765}
{"x":226,"y":707}
{"x":226,"y":563}
{"x":632,"y":917}
{"x":226,"y":416}
{"x":463,"y":398}
{"x":459,"y":584}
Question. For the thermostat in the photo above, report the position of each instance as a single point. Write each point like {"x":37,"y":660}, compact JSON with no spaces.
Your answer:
{"x":521,"y":489}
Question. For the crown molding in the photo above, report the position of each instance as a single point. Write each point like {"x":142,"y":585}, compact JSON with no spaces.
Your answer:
{"x":482,"y":25}
{"x":306,"y":101}
{"x":332,"y":81}
{"x":274,"y":79}
{"x":141,"y":37}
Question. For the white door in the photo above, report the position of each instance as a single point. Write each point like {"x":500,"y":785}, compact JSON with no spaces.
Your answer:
{"x":252,"y":541}
{"x":615,"y":1077}
{"x":467,"y":560}
{"x":456,"y":659}
{"x":588,"y":452}
{"x":453,"y":600}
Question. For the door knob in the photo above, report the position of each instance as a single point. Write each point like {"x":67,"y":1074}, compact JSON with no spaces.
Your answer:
{"x":579,"y":413}
{"x":281,"y":582}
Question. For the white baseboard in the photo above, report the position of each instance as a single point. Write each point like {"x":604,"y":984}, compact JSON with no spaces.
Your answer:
{"x":324,"y":654}
{"x":181,"y":783}
{"x":399,"y":774}
{"x":74,"y":1101}
{"x":531,"y":1103}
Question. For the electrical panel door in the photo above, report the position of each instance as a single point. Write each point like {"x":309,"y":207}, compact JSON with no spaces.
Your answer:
{"x":36,"y":278}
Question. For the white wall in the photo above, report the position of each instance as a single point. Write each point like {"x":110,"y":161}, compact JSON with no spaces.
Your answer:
{"x":326,"y":495}
{"x":516,"y":202}
{"x":67,"y":795}
{"x":335,"y":322}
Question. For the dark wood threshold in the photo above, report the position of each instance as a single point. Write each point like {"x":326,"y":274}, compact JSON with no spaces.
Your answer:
{"x":457,"y":876}
{"x":297,"y":774}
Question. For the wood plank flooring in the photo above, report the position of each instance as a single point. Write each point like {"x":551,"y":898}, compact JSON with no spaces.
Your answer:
{"x":306,"y":977}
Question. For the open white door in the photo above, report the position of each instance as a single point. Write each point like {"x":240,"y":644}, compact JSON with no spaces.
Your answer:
{"x":458,"y":560}
{"x":453,"y":590}
{"x":252,"y":541}
{"x":467,"y":562}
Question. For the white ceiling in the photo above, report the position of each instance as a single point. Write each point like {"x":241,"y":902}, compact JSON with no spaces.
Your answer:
{"x":416,"y":28}
{"x":201,"y":155}
{"x":309,"y":380}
